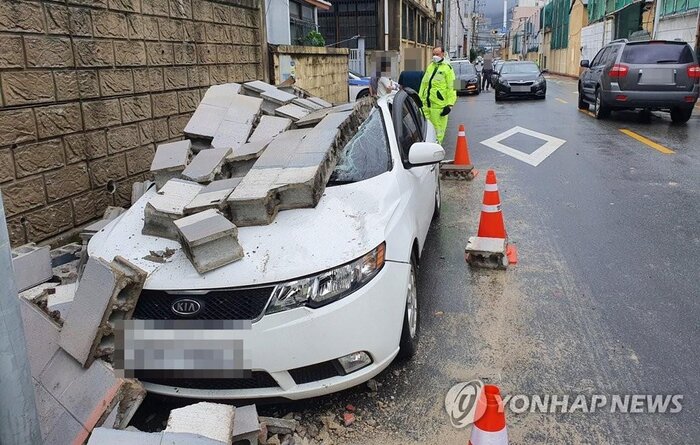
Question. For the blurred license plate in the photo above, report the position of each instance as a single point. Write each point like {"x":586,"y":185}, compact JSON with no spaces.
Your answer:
{"x":520,"y":89}
{"x":656,"y":76}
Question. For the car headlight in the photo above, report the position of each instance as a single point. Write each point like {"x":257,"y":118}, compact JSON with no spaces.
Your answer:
{"x":472,"y":81}
{"x":329,"y":286}
{"x":504,"y":81}
{"x":539,"y":81}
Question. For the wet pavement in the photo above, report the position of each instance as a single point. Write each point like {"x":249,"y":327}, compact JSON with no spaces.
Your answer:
{"x":604,"y":300}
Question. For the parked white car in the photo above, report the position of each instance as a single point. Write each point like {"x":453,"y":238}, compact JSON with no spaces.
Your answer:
{"x":324,"y":298}
{"x":358,"y":86}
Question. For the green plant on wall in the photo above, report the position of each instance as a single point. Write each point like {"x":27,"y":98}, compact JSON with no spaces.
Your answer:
{"x":314,"y":38}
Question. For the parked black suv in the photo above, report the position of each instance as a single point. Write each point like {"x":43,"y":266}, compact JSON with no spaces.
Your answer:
{"x":648,"y":75}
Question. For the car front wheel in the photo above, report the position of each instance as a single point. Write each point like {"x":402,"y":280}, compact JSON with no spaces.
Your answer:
{"x":582,"y":104}
{"x":409,"y":334}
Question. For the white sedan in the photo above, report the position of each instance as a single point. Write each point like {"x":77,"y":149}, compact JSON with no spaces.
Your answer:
{"x":324,"y":298}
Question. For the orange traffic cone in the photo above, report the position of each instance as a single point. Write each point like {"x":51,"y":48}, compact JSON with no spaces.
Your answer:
{"x":490,"y":247}
{"x":490,"y":428}
{"x":461,"y":167}
{"x":462,"y":148}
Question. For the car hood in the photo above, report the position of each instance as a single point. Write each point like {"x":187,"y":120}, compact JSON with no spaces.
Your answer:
{"x":467,"y":77}
{"x":349,"y":221}
{"x":516,"y":77}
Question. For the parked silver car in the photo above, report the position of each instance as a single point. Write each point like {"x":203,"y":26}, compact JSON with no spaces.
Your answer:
{"x":649,"y":75}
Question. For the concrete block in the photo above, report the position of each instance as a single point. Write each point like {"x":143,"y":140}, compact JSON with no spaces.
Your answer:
{"x":188,"y":439}
{"x":209,"y":240}
{"x":256,"y":87}
{"x":277,"y":96}
{"x":221,"y":95}
{"x":291,"y":111}
{"x":279,"y":426}
{"x":248,"y":151}
{"x":169,"y":161}
{"x":213,"y":196}
{"x":65,"y":430}
{"x":269,"y":127}
{"x":246,"y":425}
{"x":167,"y":206}
{"x":137,"y":191}
{"x":108,"y":436}
{"x":486,"y":252}
{"x":312,"y":118}
{"x":206,"y":165}
{"x":41,"y":334}
{"x":321,"y":102}
{"x":32,"y":265}
{"x":308,"y":104}
{"x":61,"y":300}
{"x":48,"y":409}
{"x":106,"y":293}
{"x":212,"y":420}
{"x":205,"y":120}
{"x":231,"y":135}
{"x":111,"y":213}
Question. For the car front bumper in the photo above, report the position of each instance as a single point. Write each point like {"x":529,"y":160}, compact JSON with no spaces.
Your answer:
{"x":649,"y":99}
{"x":368,"y":320}
{"x":535,"y":91}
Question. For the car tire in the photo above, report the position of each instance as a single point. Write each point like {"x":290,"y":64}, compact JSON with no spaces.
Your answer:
{"x":681,"y":115}
{"x":601,"y":111}
{"x":496,"y":97}
{"x":411,"y":320}
{"x":582,"y":104}
{"x":362,"y":94}
{"x":438,"y":200}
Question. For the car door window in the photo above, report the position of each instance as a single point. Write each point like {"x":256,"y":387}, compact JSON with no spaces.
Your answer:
{"x":600,"y":58}
{"x":409,"y":130}
{"x":611,"y":55}
{"x":420,"y":119}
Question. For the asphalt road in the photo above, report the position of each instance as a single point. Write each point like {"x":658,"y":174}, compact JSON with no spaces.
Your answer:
{"x":604,"y":299}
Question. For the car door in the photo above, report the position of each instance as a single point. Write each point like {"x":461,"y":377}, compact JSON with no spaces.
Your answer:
{"x":421,"y":182}
{"x":592,"y":74}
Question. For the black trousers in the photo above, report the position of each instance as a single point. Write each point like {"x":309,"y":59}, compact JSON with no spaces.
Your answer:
{"x":486,"y":79}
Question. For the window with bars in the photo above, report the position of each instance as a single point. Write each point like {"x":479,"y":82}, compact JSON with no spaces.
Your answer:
{"x":301,"y":21}
{"x":348,"y":18}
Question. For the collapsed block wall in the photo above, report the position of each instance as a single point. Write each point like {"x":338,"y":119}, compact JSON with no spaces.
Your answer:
{"x":323,"y":72}
{"x":89,"y":87}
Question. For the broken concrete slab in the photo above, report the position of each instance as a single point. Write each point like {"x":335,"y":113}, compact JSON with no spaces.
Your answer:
{"x":256,"y":87}
{"x":105,"y":436}
{"x":213,"y":196}
{"x":167,"y":206}
{"x":293,"y":170}
{"x":42,"y":335}
{"x":61,"y":299}
{"x":312,"y":118}
{"x":321,"y":102}
{"x":205,"y":120}
{"x":31,"y":265}
{"x":105,"y":294}
{"x":248,"y":151}
{"x":212,"y":420}
{"x":308,"y":104}
{"x":279,"y":426}
{"x":209,"y":240}
{"x":291,"y":111}
{"x":237,"y":122}
{"x":206,"y":165}
{"x":277,"y":96}
{"x":170,"y":160}
{"x":221,"y":95}
{"x":490,"y":253}
{"x":246,"y":426}
{"x":269,"y":127}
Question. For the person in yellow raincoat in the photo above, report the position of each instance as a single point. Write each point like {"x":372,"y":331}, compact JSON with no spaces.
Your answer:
{"x":437,"y":92}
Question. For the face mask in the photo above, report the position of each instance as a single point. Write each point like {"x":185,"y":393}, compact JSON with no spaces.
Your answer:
{"x":437,"y":59}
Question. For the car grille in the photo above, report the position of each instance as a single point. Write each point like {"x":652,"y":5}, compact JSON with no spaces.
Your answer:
{"x":225,"y":304}
{"x":521,"y":84}
{"x":256,"y":379}
{"x":319,"y":371}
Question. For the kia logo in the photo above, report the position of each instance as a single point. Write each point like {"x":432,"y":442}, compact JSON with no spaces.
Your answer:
{"x":186,"y":307}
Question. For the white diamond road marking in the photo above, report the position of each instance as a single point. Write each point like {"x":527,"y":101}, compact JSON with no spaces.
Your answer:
{"x":534,"y":158}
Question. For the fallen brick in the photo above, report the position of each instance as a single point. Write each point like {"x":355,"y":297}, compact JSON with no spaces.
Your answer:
{"x":291,"y":111}
{"x":106,"y":293}
{"x":279,"y":426}
{"x":206,"y":165}
{"x":269,"y":127}
{"x":213,"y":196}
{"x":246,"y":426}
{"x":209,"y":240}
{"x":31,"y":265}
{"x":167,"y":206}
{"x":169,"y":161}
{"x":212,"y":420}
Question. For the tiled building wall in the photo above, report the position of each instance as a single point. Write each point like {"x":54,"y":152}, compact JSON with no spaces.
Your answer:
{"x":89,"y":87}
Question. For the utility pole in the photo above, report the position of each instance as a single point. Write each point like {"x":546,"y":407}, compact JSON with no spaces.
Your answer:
{"x":18,"y":417}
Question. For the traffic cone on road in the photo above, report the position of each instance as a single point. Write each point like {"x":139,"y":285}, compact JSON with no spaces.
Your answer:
{"x":490,"y":428}
{"x":462,"y":166}
{"x":490,"y":247}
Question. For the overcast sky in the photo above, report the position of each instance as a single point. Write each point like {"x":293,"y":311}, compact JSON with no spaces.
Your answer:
{"x":494,"y":10}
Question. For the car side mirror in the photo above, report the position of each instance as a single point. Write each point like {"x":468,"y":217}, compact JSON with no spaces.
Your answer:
{"x":545,"y":71}
{"x":425,"y":153}
{"x":585,"y":63}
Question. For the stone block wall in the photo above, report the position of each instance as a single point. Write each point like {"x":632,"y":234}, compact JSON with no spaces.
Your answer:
{"x":89,"y":87}
{"x":322,"y":72}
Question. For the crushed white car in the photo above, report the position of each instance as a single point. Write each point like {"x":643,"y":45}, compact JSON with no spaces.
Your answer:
{"x":323,"y":298}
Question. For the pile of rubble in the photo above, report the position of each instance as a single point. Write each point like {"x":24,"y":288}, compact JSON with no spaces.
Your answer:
{"x":252,"y":150}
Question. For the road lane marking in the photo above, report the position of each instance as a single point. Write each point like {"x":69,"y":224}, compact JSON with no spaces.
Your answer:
{"x":550,"y":145}
{"x":590,"y":113}
{"x":561,"y":100}
{"x":646,"y":141}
